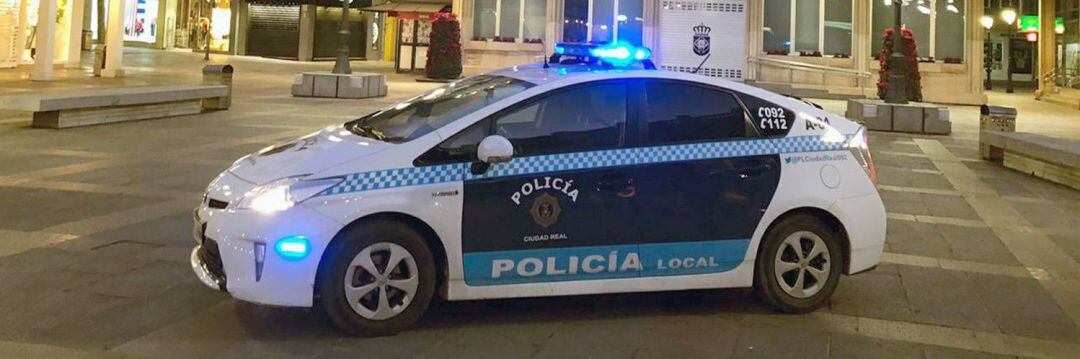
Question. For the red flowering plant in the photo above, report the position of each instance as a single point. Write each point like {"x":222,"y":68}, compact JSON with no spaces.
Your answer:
{"x":444,"y":51}
{"x":911,"y":61}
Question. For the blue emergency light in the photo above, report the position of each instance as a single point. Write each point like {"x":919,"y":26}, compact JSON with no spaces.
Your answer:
{"x":615,"y":54}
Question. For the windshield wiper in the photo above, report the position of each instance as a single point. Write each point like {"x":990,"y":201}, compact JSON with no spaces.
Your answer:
{"x":368,"y":131}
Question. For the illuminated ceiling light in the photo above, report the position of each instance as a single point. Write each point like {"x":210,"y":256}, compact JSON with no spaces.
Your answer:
{"x":987,"y":21}
{"x":1008,"y":15}
{"x":923,"y":8}
{"x":951,"y":6}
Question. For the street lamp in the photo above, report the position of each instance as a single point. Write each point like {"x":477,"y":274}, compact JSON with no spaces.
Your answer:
{"x":897,"y":92}
{"x":341,"y":64}
{"x":988,"y":58}
{"x":1008,"y":15}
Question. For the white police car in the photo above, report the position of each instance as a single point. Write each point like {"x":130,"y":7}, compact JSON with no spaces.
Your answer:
{"x":575,"y":177}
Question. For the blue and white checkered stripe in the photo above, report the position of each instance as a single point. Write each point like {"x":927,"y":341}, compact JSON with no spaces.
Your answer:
{"x":399,"y":177}
{"x":560,"y":162}
{"x":704,"y":151}
{"x":415,"y":176}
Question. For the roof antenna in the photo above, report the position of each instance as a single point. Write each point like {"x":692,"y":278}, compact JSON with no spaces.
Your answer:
{"x":702,"y":63}
{"x":545,"y":54}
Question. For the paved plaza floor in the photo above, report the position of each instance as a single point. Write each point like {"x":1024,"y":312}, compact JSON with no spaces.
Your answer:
{"x":95,"y":223}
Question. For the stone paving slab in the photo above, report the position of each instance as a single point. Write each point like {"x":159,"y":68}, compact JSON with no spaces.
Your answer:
{"x":50,"y":208}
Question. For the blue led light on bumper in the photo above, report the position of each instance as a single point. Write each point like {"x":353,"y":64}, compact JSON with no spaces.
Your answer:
{"x":293,"y":248}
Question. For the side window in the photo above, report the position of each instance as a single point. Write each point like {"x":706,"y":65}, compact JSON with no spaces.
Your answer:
{"x":460,"y":147}
{"x":586,"y":118}
{"x":770,"y":119}
{"x":681,"y":112}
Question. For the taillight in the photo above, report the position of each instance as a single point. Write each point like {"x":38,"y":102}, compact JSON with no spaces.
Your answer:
{"x":859,"y":145}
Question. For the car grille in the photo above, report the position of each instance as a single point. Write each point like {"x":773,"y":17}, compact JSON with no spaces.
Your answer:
{"x":213,"y":203}
{"x":211,"y":258}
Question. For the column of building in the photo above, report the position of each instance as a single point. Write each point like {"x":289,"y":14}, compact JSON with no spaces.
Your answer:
{"x":44,"y":57}
{"x":1047,"y":48}
{"x":861,"y":37}
{"x":973,"y":48}
{"x":114,"y":42}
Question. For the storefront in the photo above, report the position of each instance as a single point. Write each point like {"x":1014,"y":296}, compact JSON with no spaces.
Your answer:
{"x":202,"y":22}
{"x":303,"y":30}
{"x":829,"y":45}
{"x":408,"y":29}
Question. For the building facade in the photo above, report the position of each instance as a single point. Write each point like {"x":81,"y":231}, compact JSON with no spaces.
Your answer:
{"x":825,"y":45}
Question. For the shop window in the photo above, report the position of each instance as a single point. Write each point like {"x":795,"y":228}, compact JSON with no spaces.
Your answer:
{"x":606,"y":23}
{"x":777,"y":30}
{"x":509,"y":20}
{"x":535,"y":20}
{"x":949,"y":44}
{"x":944,"y":41}
{"x":807,"y":16}
{"x":140,"y":21}
{"x":837,"y":27}
{"x":484,"y":18}
{"x":808,"y":27}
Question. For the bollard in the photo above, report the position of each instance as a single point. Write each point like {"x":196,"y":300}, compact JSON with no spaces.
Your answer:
{"x":218,"y":75}
{"x":87,"y":40}
{"x":99,"y":60}
{"x":995,"y":119}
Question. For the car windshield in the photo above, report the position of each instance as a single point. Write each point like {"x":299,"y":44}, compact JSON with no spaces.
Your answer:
{"x":422,"y":114}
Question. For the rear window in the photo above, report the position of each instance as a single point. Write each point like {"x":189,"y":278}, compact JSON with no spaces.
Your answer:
{"x":420,"y":115}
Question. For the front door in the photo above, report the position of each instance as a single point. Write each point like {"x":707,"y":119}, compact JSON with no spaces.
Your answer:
{"x":561,"y":209}
{"x":704,"y":182}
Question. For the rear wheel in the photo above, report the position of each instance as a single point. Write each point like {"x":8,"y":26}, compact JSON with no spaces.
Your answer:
{"x":799,"y":265}
{"x":380,"y":281}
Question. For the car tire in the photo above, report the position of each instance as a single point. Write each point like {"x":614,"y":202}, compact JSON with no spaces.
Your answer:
{"x":360,"y":310}
{"x":783,"y":291}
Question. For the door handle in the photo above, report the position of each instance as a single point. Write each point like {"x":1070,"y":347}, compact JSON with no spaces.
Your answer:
{"x":618,"y":185}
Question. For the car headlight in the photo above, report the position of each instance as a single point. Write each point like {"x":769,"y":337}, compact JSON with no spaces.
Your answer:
{"x":284,"y":193}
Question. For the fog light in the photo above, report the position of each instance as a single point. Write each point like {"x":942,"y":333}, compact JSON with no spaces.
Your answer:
{"x":293,"y":248}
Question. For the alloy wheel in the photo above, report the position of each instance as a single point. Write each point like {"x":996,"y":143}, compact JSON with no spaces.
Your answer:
{"x":381,"y":281}
{"x":802,"y":264}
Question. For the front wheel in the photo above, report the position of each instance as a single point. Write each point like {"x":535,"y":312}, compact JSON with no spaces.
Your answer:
{"x":379,"y":281}
{"x":799,"y":265}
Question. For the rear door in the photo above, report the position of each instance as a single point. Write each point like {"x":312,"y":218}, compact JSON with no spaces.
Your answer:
{"x":705,"y":180}
{"x":561,"y":209}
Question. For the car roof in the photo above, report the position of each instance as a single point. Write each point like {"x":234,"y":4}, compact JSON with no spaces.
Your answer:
{"x":554,"y":74}
{"x":537,"y":74}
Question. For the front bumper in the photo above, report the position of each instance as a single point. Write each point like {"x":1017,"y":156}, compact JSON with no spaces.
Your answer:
{"x":202,"y":270}
{"x":234,"y":251}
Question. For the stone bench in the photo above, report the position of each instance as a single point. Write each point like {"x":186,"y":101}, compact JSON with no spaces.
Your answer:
{"x":63,"y":109}
{"x":1051,"y":158}
{"x":914,"y":117}
{"x":350,"y":86}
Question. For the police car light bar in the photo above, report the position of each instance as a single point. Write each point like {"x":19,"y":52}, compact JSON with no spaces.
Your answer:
{"x":616,"y":54}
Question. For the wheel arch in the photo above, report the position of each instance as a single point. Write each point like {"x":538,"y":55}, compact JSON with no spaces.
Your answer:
{"x":825,"y":217}
{"x":438,"y":250}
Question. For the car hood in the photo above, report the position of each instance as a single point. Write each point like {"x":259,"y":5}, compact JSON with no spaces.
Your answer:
{"x":305,"y":155}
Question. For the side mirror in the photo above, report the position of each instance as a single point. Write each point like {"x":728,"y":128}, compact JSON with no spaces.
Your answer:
{"x":495,"y":149}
